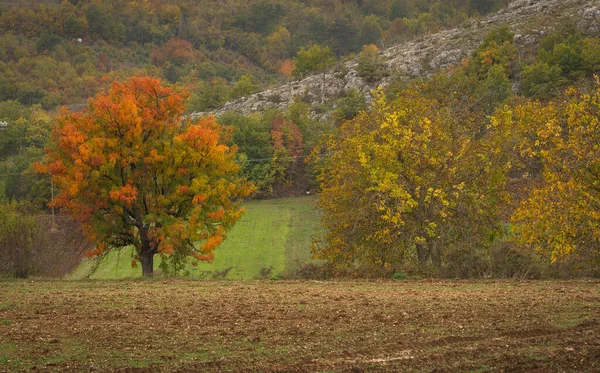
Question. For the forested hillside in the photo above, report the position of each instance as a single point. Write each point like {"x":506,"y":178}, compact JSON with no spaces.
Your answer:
{"x":479,"y":161}
{"x":57,"y":53}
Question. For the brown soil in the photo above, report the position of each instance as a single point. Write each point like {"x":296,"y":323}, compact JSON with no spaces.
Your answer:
{"x":190,"y":326}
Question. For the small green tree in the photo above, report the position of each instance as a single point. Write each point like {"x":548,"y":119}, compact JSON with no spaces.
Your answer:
{"x":540,"y":80}
{"x":313,"y":60}
{"x":349,"y":106}
{"x":244,"y":87}
{"x":370,"y":64}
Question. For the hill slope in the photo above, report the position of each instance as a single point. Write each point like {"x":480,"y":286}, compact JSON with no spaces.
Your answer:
{"x":273,"y":236}
{"x":420,"y":58}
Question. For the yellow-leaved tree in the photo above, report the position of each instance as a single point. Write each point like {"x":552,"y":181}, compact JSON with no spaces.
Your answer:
{"x":408,"y":178}
{"x":560,"y":142}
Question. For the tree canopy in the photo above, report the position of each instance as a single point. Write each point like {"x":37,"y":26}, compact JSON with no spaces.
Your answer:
{"x":135,"y":172}
{"x":407,"y":179}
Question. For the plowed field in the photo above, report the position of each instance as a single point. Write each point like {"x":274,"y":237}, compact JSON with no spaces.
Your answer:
{"x":277,"y":326}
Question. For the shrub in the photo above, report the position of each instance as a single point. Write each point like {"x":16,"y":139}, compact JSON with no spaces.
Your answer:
{"x":17,"y":239}
{"x":35,"y":245}
{"x":541,"y":80}
{"x":370,"y":65}
{"x":399,"y":276}
{"x":508,"y":260}
{"x":464,"y":263}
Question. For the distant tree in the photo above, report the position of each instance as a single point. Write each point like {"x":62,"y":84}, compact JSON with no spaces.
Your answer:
{"x":47,"y":42}
{"x":482,"y":6}
{"x":370,"y":64}
{"x":251,"y":134}
{"x":342,"y":36}
{"x":399,"y":9}
{"x":209,"y":95}
{"x":134,"y":172}
{"x":261,"y":17}
{"x":313,"y":60}
{"x":243,"y":87}
{"x":371,"y":31}
{"x":286,"y":68}
{"x":175,"y":51}
{"x":102,"y":24}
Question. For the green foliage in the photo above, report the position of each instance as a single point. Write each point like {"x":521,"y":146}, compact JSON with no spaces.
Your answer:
{"x":102,"y":25}
{"x":540,"y":80}
{"x":312,"y":60}
{"x":47,"y":42}
{"x":349,"y":106}
{"x":21,"y":144}
{"x":243,"y":87}
{"x":399,"y":9}
{"x":590,"y":54}
{"x":209,"y":95}
{"x":496,"y":49}
{"x":261,"y":17}
{"x":483,"y":6}
{"x":399,"y":276}
{"x":371,"y":30}
{"x":494,"y":89}
{"x":370,"y":64}
{"x":342,"y":36}
{"x":255,"y":150}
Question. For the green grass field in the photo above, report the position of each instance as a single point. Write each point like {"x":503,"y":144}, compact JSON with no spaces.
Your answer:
{"x":273,"y":235}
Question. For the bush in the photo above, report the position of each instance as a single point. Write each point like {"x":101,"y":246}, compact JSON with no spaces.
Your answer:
{"x":399,"y":276}
{"x":349,"y":106}
{"x":541,"y":80}
{"x":34,"y":245}
{"x":507,"y":260}
{"x":464,"y":263}
{"x":370,"y":65}
{"x":309,"y":271}
{"x":17,"y":238}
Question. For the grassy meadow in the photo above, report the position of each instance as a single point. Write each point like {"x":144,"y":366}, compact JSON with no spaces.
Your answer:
{"x":272,"y":236}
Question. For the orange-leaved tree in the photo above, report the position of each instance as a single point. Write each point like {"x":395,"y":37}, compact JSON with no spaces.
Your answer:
{"x":135,"y":172}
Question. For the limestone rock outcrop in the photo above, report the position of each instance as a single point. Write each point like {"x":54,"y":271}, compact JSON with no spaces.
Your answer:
{"x":529,"y":20}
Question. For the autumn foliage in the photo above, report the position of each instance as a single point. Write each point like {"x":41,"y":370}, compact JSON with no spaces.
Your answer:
{"x":135,"y":172}
{"x":559,"y":215}
{"x":409,"y":178}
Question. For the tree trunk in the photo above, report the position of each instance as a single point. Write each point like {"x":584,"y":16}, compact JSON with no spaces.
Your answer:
{"x":147,"y":259}
{"x":146,"y":254}
{"x":436,"y":256}
{"x":422,"y":253}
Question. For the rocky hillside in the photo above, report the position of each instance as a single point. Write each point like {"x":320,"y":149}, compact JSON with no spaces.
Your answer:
{"x":529,"y":20}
